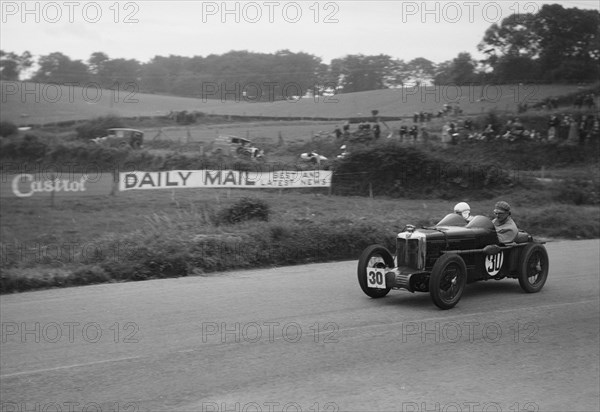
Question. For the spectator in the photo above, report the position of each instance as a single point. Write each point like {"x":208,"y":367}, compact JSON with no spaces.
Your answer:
{"x":414,"y":133}
{"x":553,"y":124}
{"x":338,"y":132}
{"x":346,"y":129}
{"x":403,"y":132}
{"x":376,"y":130}
{"x":446,"y":137}
{"x":573,"y":136}
{"x":488,"y":133}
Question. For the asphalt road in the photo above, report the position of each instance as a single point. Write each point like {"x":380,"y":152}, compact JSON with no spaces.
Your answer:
{"x":306,"y":338}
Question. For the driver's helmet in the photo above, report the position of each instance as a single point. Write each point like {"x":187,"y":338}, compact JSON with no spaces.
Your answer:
{"x":463,"y":209}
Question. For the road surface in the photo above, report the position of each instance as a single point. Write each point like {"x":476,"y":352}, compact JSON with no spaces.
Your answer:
{"x":305,"y":338}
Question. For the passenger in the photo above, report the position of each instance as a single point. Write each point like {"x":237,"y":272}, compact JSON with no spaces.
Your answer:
{"x":506,"y":228}
{"x":464,"y":210}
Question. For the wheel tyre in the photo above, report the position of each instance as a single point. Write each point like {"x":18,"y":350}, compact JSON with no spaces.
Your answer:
{"x":533,"y":268}
{"x":386,"y":260}
{"x":447,"y":281}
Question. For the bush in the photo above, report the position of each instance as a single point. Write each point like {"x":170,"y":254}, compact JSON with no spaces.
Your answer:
{"x":391,"y":169}
{"x":98,"y":127}
{"x":245,"y":209}
{"x":575,"y":222}
{"x":7,"y":129}
{"x":31,"y":147}
{"x":578,"y":192}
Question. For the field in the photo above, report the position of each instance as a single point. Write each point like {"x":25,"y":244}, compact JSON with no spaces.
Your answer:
{"x":27,"y":103}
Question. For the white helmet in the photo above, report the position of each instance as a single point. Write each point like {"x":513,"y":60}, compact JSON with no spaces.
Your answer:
{"x":463,"y":209}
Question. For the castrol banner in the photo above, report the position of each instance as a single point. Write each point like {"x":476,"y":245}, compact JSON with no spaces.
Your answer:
{"x":35,"y":185}
{"x":188,"y":179}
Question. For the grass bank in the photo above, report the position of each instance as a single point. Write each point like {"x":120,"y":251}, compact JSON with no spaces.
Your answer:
{"x":148,"y":235}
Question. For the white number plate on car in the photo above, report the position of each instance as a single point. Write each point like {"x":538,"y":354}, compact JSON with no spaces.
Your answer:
{"x":376,"y":278}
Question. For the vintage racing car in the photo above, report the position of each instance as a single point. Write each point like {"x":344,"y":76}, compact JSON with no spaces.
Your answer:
{"x":235,"y":146}
{"x":442,"y":259}
{"x":122,"y":137}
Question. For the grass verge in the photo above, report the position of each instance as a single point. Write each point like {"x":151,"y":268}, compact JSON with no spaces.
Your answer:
{"x":141,"y":236}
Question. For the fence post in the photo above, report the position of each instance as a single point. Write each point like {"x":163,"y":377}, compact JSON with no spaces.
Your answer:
{"x":370,"y":190}
{"x":52,"y":193}
{"x":115,"y":183}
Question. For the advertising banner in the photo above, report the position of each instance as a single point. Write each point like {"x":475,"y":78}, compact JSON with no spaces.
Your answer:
{"x":187,"y":179}
{"x":35,"y":185}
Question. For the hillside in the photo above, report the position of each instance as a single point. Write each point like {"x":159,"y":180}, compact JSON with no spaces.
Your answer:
{"x":31,"y":103}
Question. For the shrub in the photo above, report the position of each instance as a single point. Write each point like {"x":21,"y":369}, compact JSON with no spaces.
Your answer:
{"x":7,"y":128}
{"x":98,"y":127}
{"x":31,"y":147}
{"x":391,"y":169}
{"x":245,"y":209}
{"x":575,"y":222}
{"x":578,"y":192}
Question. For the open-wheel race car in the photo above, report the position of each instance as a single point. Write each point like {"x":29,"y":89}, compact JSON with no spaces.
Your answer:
{"x":442,"y":259}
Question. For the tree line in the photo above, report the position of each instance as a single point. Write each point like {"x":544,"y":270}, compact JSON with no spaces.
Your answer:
{"x":554,"y":45}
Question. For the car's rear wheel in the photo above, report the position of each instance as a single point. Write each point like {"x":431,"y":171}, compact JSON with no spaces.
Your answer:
{"x":533,"y":268}
{"x":375,"y":256}
{"x":447,"y":281}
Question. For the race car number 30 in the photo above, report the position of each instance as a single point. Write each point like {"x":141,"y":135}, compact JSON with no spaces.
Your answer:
{"x":376,"y":278}
{"x":493,"y":263}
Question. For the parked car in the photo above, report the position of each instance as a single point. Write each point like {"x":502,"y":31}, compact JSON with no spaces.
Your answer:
{"x":122,"y":137}
{"x":442,"y":259}
{"x":235,"y":146}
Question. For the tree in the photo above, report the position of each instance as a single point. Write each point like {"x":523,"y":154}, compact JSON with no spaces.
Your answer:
{"x":359,"y":72}
{"x":119,"y":72}
{"x":459,"y":71}
{"x":419,"y":71}
{"x":97,"y":62}
{"x":569,"y":42}
{"x":555,"y":44}
{"x":512,"y":38}
{"x":60,"y":69}
{"x":12,"y":65}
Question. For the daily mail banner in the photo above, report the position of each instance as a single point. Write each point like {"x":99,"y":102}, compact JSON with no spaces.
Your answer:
{"x":181,"y":179}
{"x":66,"y":185}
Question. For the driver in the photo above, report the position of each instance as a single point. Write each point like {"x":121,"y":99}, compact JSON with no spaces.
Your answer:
{"x":506,"y":228}
{"x":464,"y":210}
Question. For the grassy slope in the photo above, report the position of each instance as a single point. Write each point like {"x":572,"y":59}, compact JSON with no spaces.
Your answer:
{"x":142,"y":235}
{"x":22,"y":108}
{"x":186,"y":214}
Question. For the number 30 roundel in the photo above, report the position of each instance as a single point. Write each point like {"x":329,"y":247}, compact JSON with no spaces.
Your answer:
{"x":493,"y":263}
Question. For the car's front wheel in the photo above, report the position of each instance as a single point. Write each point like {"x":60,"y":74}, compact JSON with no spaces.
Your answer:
{"x":533,"y":268}
{"x":372,"y":266}
{"x":447,"y":281}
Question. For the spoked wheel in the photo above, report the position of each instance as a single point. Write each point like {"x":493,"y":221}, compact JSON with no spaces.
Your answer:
{"x":533,"y":268}
{"x":447,"y":281}
{"x":373,"y":263}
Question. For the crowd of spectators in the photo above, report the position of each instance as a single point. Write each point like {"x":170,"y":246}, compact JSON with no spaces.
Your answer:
{"x":580,"y":129}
